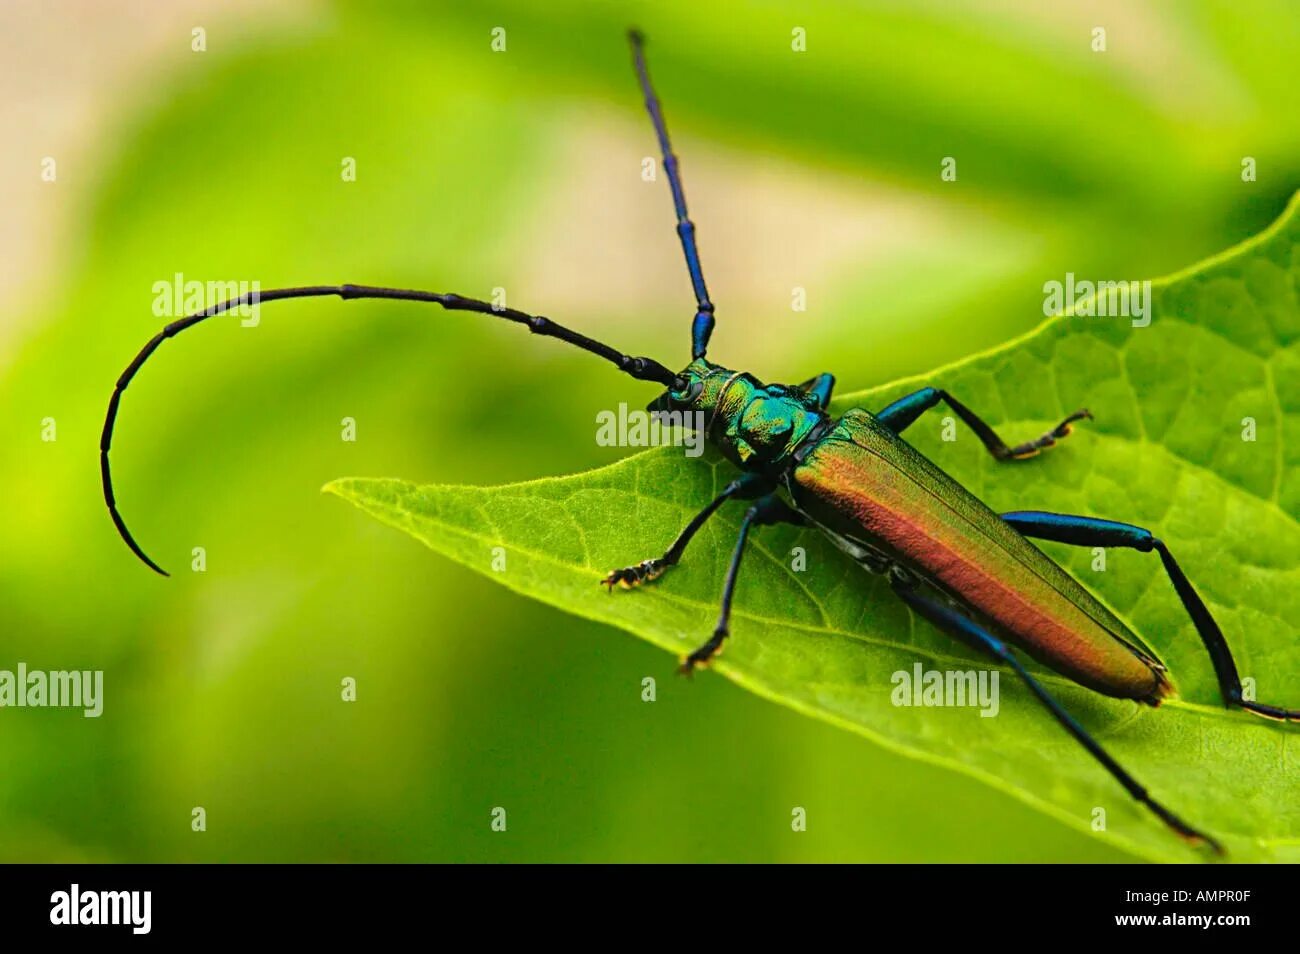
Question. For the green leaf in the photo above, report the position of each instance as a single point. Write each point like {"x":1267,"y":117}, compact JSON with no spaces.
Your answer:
{"x":1166,"y":451}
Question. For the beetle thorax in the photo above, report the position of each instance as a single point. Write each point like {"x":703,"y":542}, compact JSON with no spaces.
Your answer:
{"x":757,"y":426}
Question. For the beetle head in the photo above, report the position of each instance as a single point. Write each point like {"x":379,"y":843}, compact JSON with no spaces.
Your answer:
{"x":698,"y":388}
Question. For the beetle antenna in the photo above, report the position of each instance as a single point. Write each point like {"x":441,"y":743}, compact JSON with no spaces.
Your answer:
{"x":643,"y":369}
{"x":702,"y":326}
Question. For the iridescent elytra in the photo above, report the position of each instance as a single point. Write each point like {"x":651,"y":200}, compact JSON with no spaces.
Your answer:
{"x":966,"y":569}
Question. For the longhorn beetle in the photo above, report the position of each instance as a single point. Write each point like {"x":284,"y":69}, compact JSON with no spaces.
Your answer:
{"x":967,"y":570}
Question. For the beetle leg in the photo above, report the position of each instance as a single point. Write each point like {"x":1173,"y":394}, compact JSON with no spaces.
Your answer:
{"x":767,"y":510}
{"x":745,"y":487}
{"x":819,"y":388}
{"x":971,"y":633}
{"x":1092,"y":532}
{"x":899,"y":415}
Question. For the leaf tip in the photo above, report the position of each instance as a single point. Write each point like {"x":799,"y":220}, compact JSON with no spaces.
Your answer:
{"x":341,"y":487}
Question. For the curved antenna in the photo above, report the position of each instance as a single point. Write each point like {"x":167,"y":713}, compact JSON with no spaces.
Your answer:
{"x":702,"y":326}
{"x":643,"y":369}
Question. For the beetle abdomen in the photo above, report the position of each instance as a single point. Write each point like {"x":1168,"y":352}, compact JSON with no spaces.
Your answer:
{"x":862,"y":483}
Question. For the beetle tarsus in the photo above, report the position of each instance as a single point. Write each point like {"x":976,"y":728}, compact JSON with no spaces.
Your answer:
{"x":1273,"y":713}
{"x":632,"y":576}
{"x":1035,"y":447}
{"x":1197,"y":839}
{"x":705,"y":654}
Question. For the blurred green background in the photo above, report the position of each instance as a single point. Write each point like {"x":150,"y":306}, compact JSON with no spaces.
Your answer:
{"x":522,"y":170}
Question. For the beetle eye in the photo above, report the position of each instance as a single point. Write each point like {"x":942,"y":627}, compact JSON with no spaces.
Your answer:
{"x":676,"y":398}
{"x":688,"y":394}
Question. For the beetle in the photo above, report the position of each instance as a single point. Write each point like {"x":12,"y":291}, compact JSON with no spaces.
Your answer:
{"x":969,"y":571}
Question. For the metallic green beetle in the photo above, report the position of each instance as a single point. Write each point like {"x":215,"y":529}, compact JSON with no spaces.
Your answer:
{"x":966,"y":569}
